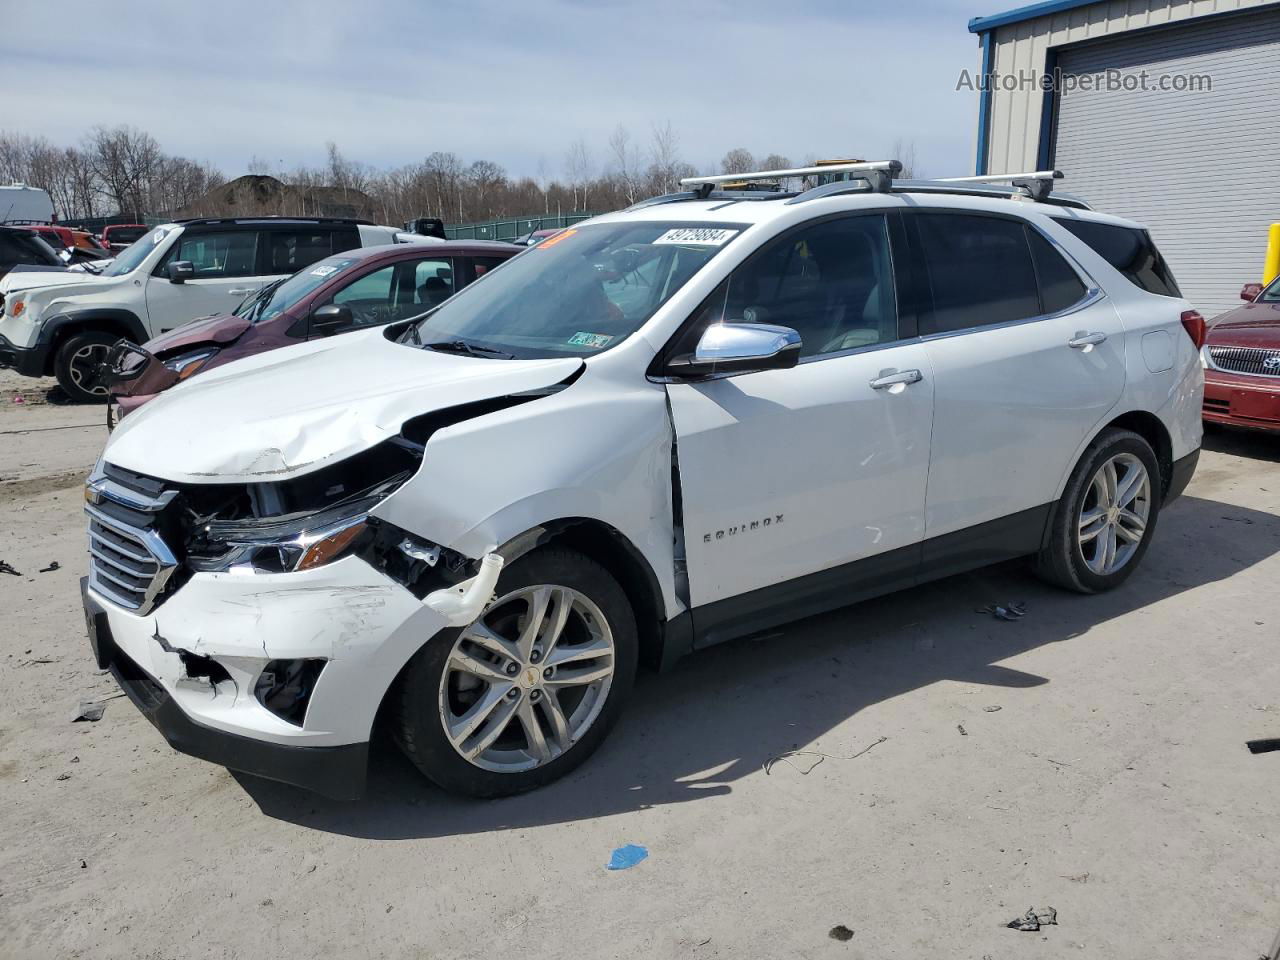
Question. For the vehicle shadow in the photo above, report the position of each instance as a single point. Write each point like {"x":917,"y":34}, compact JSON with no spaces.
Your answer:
{"x":724,"y":712}
{"x":1242,"y":442}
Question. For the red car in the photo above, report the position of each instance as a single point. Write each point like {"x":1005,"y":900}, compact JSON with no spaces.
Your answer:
{"x":362,"y":287}
{"x":1242,"y":362}
{"x":118,"y":236}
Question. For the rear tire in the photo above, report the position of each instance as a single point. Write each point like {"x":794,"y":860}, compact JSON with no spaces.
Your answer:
{"x":497,"y":708}
{"x":1103,"y":524}
{"x":76,"y":365}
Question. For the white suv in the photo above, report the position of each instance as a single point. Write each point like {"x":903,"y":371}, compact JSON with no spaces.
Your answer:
{"x":64,"y":323}
{"x":657,"y":430}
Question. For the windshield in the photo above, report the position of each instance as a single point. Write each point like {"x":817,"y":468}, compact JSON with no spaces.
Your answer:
{"x":1272,"y":293}
{"x":125,"y":234}
{"x":580,"y":292}
{"x":274,"y":299}
{"x":134,"y":254}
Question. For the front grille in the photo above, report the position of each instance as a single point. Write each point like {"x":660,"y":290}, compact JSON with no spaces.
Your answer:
{"x":1256,"y":361}
{"x":129,"y":561}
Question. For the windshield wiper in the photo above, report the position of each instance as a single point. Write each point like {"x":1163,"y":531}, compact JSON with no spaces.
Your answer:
{"x":254,"y":306}
{"x":462,"y":346}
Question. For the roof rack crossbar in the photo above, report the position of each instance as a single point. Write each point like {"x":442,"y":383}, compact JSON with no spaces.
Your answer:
{"x":879,"y":174}
{"x":1037,"y":184}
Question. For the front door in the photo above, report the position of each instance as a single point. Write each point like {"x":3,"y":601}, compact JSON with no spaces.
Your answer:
{"x":225,"y":273}
{"x":787,"y":476}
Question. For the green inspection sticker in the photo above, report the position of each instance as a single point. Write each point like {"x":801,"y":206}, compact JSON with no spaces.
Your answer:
{"x":596,"y":340}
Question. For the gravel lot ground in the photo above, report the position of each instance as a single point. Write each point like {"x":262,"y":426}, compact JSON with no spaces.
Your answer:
{"x":1112,"y":783}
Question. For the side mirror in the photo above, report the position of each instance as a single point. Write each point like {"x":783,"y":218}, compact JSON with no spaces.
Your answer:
{"x":180,"y":271}
{"x":330,"y":319}
{"x":740,"y":348}
{"x":1251,"y":292}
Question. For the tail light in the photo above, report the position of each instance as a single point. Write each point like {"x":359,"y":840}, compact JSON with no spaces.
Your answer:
{"x":1194,"y":324}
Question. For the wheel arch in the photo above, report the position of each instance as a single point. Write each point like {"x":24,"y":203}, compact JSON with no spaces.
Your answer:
{"x":625,"y":562}
{"x":62,"y":326}
{"x":1146,"y":425}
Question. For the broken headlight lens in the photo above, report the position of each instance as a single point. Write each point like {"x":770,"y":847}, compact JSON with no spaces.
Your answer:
{"x":184,"y":365}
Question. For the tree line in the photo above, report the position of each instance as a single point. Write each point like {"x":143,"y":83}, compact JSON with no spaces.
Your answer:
{"x":124,"y":171}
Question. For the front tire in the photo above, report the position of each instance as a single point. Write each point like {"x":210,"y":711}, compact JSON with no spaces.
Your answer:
{"x":1103,"y":524}
{"x":526,"y":693}
{"x":78,"y":365}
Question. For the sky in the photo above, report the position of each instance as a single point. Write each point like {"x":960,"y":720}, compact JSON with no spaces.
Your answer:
{"x":390,"y":81}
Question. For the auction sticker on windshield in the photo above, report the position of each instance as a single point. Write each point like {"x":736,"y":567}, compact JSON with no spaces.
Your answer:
{"x":323,"y":271}
{"x":698,"y":236}
{"x":596,"y":340}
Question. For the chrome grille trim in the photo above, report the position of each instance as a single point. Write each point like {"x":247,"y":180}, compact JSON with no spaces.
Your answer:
{"x":1250,"y":361}
{"x":128,"y":565}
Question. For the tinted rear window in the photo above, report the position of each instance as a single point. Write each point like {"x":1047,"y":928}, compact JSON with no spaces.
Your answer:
{"x":1060,"y":287}
{"x":980,"y":272}
{"x":1130,"y":251}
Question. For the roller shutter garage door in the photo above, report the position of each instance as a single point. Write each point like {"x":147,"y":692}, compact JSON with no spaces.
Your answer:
{"x":1200,"y":169}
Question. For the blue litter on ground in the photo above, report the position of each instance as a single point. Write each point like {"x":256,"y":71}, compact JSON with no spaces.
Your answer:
{"x":625,"y":857}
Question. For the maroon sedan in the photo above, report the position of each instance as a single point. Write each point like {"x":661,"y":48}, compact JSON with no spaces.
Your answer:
{"x":359,"y":288}
{"x":1242,"y":362}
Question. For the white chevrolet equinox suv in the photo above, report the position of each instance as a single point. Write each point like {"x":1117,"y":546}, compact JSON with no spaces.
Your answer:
{"x":655,"y":431}
{"x":64,"y":323}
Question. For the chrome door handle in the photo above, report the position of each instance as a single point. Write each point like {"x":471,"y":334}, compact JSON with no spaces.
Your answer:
{"x":243,"y":290}
{"x":886,"y":379}
{"x":1082,"y":340}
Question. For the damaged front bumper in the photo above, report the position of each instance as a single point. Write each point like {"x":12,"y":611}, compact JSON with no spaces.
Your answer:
{"x":196,"y":666}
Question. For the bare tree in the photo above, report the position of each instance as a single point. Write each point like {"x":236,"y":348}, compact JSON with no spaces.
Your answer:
{"x":665,"y":166}
{"x":738,"y":160}
{"x":775,"y":161}
{"x":626,"y":162}
{"x":124,"y":160}
{"x":904,"y":151}
{"x":577,"y":167}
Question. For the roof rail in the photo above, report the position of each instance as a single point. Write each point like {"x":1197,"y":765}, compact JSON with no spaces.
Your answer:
{"x":878,"y":174}
{"x":274,"y":218}
{"x":1037,"y":184}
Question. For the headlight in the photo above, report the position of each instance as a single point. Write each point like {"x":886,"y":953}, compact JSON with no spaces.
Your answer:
{"x":283,"y":546}
{"x":184,"y":365}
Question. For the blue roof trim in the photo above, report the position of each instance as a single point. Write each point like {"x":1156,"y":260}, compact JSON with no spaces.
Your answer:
{"x":1030,"y":12}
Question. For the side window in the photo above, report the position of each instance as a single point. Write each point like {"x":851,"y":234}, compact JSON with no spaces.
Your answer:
{"x":1129,"y":250}
{"x":484,"y":264}
{"x":371,"y":298}
{"x":832,"y":283}
{"x":345,"y":238}
{"x":1060,"y":286}
{"x":288,"y":251}
{"x":979,"y":272}
{"x":215,"y":255}
{"x":432,"y":284}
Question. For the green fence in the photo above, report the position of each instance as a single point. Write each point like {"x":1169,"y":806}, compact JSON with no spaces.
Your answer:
{"x":510,"y":229}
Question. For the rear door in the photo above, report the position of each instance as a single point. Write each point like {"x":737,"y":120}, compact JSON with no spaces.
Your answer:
{"x":789,"y":476}
{"x":1027,"y":358}
{"x":226,"y":271}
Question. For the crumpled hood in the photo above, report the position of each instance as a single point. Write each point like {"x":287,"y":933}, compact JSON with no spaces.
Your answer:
{"x":291,"y":411}
{"x":219,"y":328}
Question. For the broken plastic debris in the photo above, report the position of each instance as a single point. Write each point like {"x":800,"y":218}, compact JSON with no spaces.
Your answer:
{"x":1034,"y":919}
{"x":1262,"y":746}
{"x":840,"y":932}
{"x":91,"y":710}
{"x":1006,"y":611}
{"x":5,"y":568}
{"x":50,"y":568}
{"x":624,"y":858}
{"x":992,"y":709}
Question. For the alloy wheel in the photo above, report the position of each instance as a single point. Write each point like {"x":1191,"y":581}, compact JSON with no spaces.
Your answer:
{"x":527,"y":679}
{"x":85,"y":368}
{"x":1114,"y":514}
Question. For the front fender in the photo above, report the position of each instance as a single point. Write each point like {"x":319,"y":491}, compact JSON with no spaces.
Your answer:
{"x":597,"y":451}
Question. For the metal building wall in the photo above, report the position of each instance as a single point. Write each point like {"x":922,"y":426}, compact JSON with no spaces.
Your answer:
{"x":1015,"y":131}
